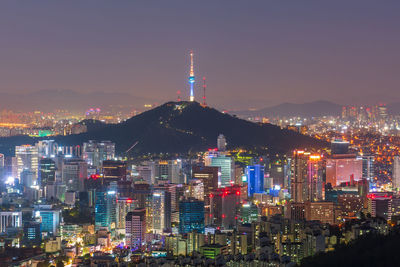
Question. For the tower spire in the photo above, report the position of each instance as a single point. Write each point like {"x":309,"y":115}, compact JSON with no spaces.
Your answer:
{"x":191,"y":77}
{"x":204,"y":92}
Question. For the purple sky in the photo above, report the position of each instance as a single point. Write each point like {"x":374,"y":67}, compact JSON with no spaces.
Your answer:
{"x":253,"y":53}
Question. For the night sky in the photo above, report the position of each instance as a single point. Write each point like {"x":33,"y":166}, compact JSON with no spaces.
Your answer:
{"x":253,"y":53}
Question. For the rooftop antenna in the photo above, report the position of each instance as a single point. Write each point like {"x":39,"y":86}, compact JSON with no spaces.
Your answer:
{"x":204,"y":92}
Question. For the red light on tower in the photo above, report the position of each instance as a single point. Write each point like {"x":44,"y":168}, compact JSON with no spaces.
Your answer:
{"x":238,"y":193}
{"x":223,"y":216}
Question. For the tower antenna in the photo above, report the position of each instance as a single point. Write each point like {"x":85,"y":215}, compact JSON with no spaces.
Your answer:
{"x":191,"y":77}
{"x":204,"y":92}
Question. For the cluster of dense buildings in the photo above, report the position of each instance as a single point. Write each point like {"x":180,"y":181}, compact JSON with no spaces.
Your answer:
{"x":85,"y":203}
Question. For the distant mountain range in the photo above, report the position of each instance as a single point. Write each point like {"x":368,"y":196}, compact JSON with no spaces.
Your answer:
{"x":310,"y":109}
{"x":50,"y":100}
{"x":181,"y":127}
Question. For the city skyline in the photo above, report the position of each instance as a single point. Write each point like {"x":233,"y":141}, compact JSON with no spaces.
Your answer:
{"x":253,"y":55}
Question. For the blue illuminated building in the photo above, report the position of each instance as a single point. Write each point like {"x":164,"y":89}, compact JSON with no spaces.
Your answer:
{"x":105,"y":209}
{"x":191,"y":216}
{"x":255,"y":179}
{"x":49,"y":219}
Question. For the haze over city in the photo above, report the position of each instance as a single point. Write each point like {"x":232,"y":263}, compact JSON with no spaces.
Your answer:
{"x":199,"y":133}
{"x":253,"y":54}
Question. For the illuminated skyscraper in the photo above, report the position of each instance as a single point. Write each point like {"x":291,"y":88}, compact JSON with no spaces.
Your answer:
{"x":27,"y":159}
{"x":299,"y":176}
{"x":47,"y":171}
{"x":191,"y":78}
{"x":255,"y":179}
{"x":227,"y":169}
{"x":396,"y":172}
{"x":74,"y":174}
{"x":105,"y":209}
{"x":315,"y":178}
{"x":135,"y":228}
{"x":191,"y":216}
{"x":161,"y":205}
{"x":221,"y":142}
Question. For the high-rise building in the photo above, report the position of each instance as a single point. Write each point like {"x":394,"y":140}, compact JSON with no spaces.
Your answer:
{"x":47,"y":148}
{"x":94,"y":153}
{"x":208,"y":175}
{"x":170,"y":170}
{"x":135,"y":228}
{"x":226,"y":168}
{"x":196,"y":189}
{"x":74,"y":174}
{"x":320,"y":211}
{"x":2,"y":168}
{"x":32,"y":234}
{"x":368,"y":168}
{"x":10,"y":219}
{"x":221,"y":142}
{"x":191,"y":216}
{"x":161,"y":207}
{"x":114,"y":170}
{"x":255,"y":179}
{"x":343,"y":168}
{"x":105,"y":209}
{"x":224,"y":206}
{"x":27,"y":159}
{"x":315,"y":178}
{"x":396,"y":173}
{"x":146,"y":171}
{"x":49,"y":219}
{"x":123,"y":207}
{"x":380,"y":205}
{"x":248,"y":213}
{"x":298,"y":172}
{"x":47,"y":171}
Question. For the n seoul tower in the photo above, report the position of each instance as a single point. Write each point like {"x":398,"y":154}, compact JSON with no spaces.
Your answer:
{"x":191,"y":78}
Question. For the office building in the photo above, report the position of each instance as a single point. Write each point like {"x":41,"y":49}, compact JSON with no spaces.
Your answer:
{"x":315,"y":178}
{"x":224,"y":203}
{"x":299,"y":164}
{"x":74,"y":174}
{"x":191,"y":216}
{"x":94,"y":153}
{"x":10,"y":219}
{"x":113,"y":170}
{"x":49,"y":219}
{"x":320,"y":211}
{"x":32,"y":234}
{"x":226,"y":167}
{"x":135,"y":228}
{"x":105,"y":209}
{"x":255,"y":179}
{"x":380,"y":205}
{"x":47,"y":171}
{"x":343,"y":168}
{"x":170,"y":170}
{"x":396,"y":173}
{"x":221,"y":142}
{"x":27,"y":159}
{"x":161,"y":211}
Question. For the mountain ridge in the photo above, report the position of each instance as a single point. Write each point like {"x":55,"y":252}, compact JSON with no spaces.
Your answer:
{"x":181,"y":127}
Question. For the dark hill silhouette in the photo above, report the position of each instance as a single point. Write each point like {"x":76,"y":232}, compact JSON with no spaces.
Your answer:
{"x":180,"y":127}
